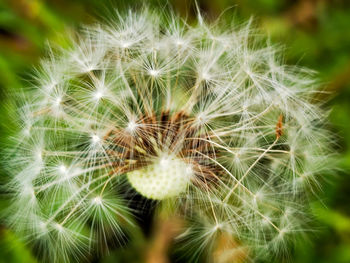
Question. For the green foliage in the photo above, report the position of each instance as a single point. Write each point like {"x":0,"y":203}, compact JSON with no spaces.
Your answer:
{"x":13,"y":250}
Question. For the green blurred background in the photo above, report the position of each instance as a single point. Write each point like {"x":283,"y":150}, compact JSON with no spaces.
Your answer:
{"x":316,"y":34}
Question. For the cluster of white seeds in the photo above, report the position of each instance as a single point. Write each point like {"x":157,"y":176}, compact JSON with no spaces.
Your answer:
{"x":167,"y":177}
{"x":205,"y":116}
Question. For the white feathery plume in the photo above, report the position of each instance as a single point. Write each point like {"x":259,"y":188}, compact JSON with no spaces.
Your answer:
{"x":203,"y":117}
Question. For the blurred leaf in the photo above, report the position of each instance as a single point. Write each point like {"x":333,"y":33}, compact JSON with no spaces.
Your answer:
{"x":12,"y":250}
{"x":334,"y":219}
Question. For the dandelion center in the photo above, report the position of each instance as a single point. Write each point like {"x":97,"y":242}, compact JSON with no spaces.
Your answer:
{"x":162,"y":156}
{"x":164,"y":179}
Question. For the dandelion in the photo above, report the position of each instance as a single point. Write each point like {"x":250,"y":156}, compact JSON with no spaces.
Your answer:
{"x":206,"y":120}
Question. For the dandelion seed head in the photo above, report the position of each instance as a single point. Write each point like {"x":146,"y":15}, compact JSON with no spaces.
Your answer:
{"x":204,"y":117}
